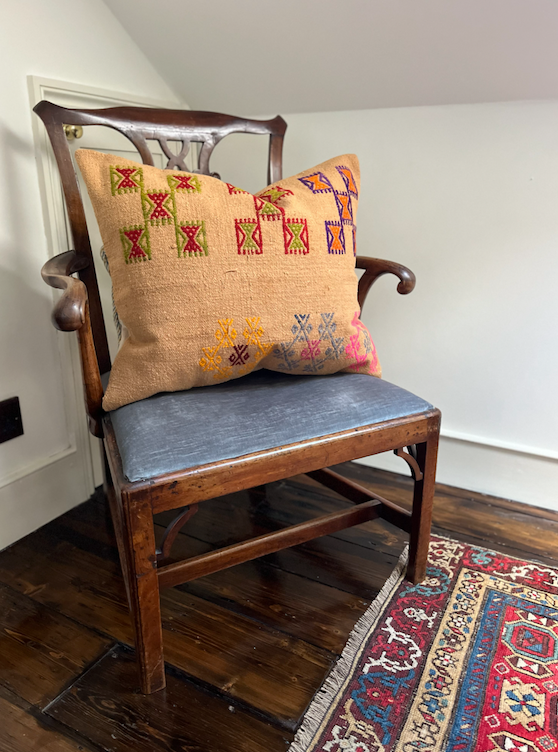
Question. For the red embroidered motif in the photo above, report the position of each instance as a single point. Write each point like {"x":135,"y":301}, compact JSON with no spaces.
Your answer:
{"x":267,"y":210}
{"x":312,"y":350}
{"x":248,"y":236}
{"x":295,"y":232}
{"x":275,"y":193}
{"x":159,"y":211}
{"x":234,"y":189}
{"x":191,"y":246}
{"x":136,"y":251}
{"x":186,"y":183}
{"x":239,"y":355}
{"x":126,"y":181}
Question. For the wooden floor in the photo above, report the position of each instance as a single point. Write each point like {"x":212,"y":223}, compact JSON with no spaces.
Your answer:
{"x":246,"y":648}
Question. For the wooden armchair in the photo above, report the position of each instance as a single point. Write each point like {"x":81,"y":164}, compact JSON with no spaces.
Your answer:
{"x":386,"y":419}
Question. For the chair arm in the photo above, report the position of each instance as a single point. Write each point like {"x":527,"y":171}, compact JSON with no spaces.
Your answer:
{"x":69,"y":312}
{"x":374,"y":268}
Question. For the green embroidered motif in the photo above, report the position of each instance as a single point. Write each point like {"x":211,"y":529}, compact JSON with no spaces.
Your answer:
{"x":296,"y":229}
{"x":125,"y":179}
{"x":135,"y":242}
{"x":188,"y":183}
{"x":157,"y":207}
{"x":269,"y":211}
{"x":248,"y":236}
{"x":191,"y":239}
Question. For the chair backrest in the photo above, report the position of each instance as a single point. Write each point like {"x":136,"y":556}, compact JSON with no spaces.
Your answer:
{"x":141,"y":125}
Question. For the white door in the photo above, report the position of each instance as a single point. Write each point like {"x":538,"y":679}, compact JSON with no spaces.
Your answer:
{"x":68,"y":475}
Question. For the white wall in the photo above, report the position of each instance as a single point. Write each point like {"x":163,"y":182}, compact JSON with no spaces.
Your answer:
{"x":467,"y":197}
{"x":64,"y":40}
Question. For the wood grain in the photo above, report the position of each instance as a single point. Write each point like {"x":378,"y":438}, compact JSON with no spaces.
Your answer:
{"x":62,"y":594}
{"x":41,"y":651}
{"x":103,"y":707}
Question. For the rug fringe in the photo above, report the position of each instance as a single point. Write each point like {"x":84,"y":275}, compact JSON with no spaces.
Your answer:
{"x":325,"y":696}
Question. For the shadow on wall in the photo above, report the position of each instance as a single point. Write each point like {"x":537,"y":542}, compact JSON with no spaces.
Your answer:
{"x":27,"y":339}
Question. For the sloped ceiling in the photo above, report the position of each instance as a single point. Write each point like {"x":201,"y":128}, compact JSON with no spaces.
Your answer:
{"x":262,"y":57}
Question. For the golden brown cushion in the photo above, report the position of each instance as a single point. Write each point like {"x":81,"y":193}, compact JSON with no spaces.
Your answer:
{"x":213,"y":282}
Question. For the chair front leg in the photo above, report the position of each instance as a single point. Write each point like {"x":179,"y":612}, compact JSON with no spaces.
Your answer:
{"x":143,"y":591}
{"x":421,"y":518}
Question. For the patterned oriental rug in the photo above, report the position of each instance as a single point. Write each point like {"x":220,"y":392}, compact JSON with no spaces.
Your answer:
{"x":467,"y":661}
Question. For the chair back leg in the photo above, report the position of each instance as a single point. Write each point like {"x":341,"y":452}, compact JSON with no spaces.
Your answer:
{"x":421,"y":517}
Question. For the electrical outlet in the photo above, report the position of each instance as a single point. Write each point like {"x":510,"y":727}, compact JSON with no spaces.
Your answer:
{"x":10,"y":419}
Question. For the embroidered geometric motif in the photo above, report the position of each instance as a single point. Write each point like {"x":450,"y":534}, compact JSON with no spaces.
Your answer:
{"x":318,"y":183}
{"x":234,"y":189}
{"x":348,"y":179}
{"x":248,"y":236}
{"x":239,"y":356}
{"x":362,"y":337}
{"x":275,"y":193}
{"x":307,"y":350}
{"x":267,"y":210}
{"x":296,"y":236}
{"x":135,"y":243}
{"x":157,"y":207}
{"x":344,"y":207}
{"x":188,"y":183}
{"x":125,"y":179}
{"x":227,"y":354}
{"x":335,"y":237}
{"x":191,"y":239}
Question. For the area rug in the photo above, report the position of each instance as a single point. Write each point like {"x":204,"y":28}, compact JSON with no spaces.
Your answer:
{"x":466,"y":661}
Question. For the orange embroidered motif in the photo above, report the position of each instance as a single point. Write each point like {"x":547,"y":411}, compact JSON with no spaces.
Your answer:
{"x":318,"y":183}
{"x":335,"y":237}
{"x":348,"y":179}
{"x":228,"y":358}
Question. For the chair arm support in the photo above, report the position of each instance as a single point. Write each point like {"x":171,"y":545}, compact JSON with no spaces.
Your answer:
{"x":375,"y":268}
{"x":69,"y":312}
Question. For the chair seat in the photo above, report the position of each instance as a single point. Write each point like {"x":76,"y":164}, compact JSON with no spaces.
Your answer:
{"x":179,"y":430}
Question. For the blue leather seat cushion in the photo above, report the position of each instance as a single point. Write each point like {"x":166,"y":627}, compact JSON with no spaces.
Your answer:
{"x":178,"y":430}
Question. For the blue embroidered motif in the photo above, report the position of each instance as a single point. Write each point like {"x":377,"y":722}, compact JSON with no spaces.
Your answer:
{"x":315,"y":352}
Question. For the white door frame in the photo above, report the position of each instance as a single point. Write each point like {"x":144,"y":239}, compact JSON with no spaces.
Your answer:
{"x":82,"y":447}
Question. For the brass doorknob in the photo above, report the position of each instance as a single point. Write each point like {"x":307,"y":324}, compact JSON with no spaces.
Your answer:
{"x":73,"y":131}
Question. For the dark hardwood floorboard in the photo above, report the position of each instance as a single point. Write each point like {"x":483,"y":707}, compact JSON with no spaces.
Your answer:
{"x":246,"y":648}
{"x":182,"y":717}
{"x":41,"y":651}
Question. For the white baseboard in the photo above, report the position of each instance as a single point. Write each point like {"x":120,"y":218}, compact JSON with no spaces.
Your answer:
{"x":43,"y":493}
{"x":516,"y":473}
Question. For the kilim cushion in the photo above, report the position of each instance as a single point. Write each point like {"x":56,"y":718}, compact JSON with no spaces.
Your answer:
{"x":213,"y":282}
